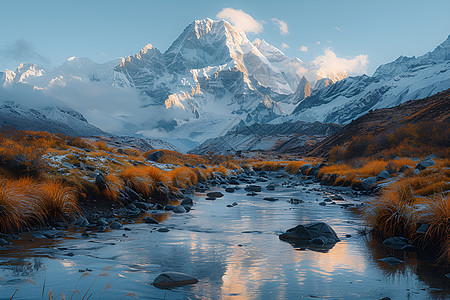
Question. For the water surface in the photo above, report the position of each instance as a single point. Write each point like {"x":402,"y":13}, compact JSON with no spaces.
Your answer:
{"x":235,"y":253}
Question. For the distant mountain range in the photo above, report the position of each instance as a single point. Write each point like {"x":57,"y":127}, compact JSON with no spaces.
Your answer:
{"x":212,"y":79}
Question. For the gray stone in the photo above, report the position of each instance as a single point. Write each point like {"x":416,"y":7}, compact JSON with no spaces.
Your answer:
{"x":307,"y":233}
{"x":142,"y":205}
{"x":426,"y":162}
{"x":82,"y":221}
{"x":323,"y":203}
{"x":155,"y":156}
{"x":187,"y":201}
{"x":233,"y":181}
{"x":229,"y":190}
{"x":423,"y":228}
{"x":115,"y":225}
{"x":214,"y":194}
{"x":3,"y":242}
{"x":132,"y":194}
{"x":416,"y":171}
{"x":169,"y":207}
{"x":102,"y":222}
{"x":391,"y":260}
{"x":253,"y":188}
{"x":100,"y":180}
{"x":179,"y":209}
{"x":396,"y":242}
{"x":271,"y":199}
{"x":163,"y":229}
{"x":210,"y":198}
{"x":173,"y":279}
{"x":404,"y":168}
{"x":383,"y":175}
{"x":270,"y":187}
{"x":304,"y":169}
{"x":368,"y":183}
{"x":149,"y":220}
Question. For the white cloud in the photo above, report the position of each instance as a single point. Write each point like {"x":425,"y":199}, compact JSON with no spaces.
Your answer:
{"x":240,"y":20}
{"x":281,"y":25}
{"x":337,"y":28}
{"x":330,"y":63}
{"x":304,"y":49}
{"x":318,"y":42}
{"x":285,"y":46}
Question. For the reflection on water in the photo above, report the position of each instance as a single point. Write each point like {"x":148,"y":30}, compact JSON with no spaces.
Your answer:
{"x":235,"y":252}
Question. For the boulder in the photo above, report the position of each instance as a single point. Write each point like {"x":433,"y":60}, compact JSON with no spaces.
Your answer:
{"x":179,"y":209}
{"x":149,"y":220}
{"x":270,"y":187}
{"x":233,"y":181}
{"x":214,"y":194}
{"x":383,"y":175}
{"x":173,"y":279}
{"x":253,"y":188}
{"x":391,"y":260}
{"x":396,"y":242}
{"x":100,"y":181}
{"x":368,"y":183}
{"x":187,"y":201}
{"x":423,"y":228}
{"x":310,"y":233}
{"x":272,"y":199}
{"x":426,"y":162}
{"x":169,"y":207}
{"x":132,"y":194}
{"x":82,"y":221}
{"x":304,"y":169}
{"x":404,"y":168}
{"x":155,"y":156}
{"x":229,"y":190}
{"x":143,"y":205}
{"x":202,"y":167}
{"x":115,"y":225}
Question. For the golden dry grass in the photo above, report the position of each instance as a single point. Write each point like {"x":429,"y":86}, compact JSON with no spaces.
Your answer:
{"x":392,"y":213}
{"x":113,"y":185}
{"x":57,"y":201}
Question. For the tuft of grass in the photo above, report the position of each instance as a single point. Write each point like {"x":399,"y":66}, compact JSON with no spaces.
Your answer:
{"x":113,"y":185}
{"x":435,"y":212}
{"x":18,"y":205}
{"x":183,"y":177}
{"x":292,"y":167}
{"x":392,"y":214}
{"x":137,"y":179}
{"x":57,"y":201}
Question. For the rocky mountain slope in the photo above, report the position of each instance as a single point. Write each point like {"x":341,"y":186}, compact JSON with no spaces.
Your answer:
{"x":268,"y":137}
{"x":383,"y":121}
{"x":404,"y":79}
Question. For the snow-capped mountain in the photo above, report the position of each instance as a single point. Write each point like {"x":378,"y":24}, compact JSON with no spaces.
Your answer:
{"x":211,"y":79}
{"x":404,"y":79}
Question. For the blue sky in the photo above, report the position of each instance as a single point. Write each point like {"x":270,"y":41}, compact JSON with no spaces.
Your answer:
{"x":49,"y":32}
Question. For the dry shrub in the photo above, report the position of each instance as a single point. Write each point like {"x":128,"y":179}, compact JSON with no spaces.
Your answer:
{"x":137,"y":179}
{"x":435,"y":212}
{"x":183,"y":177}
{"x":269,"y":165}
{"x":17,"y":204}
{"x":222,"y":170}
{"x":292,"y":167}
{"x":231,"y":166}
{"x":113,"y":185}
{"x":57,"y":201}
{"x":392,"y":214}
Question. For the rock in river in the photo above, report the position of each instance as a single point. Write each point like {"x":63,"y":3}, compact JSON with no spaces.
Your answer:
{"x":313,"y":234}
{"x":173,"y":279}
{"x":214,"y":194}
{"x":179,"y":209}
{"x":396,"y":242}
{"x":253,"y":188}
{"x":149,"y":220}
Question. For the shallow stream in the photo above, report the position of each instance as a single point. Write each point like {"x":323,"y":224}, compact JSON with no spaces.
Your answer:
{"x":235,"y":253}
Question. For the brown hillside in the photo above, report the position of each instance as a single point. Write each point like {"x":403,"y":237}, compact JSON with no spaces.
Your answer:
{"x":435,"y":108}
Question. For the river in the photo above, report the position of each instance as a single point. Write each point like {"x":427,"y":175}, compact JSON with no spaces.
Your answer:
{"x":234,"y":251}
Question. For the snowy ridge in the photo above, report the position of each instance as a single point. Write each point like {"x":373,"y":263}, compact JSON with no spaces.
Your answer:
{"x":404,"y":79}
